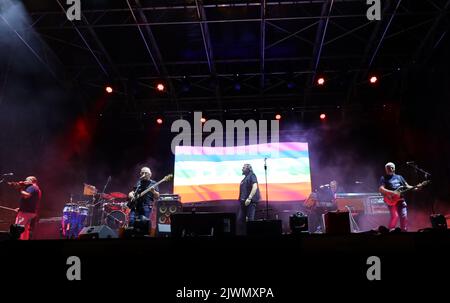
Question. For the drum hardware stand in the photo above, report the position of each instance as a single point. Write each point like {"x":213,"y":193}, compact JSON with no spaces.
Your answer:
{"x":101,"y":199}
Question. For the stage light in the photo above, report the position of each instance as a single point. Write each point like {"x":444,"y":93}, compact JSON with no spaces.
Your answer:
{"x":373,"y":79}
{"x":160,"y":87}
{"x":278,"y":116}
{"x":321,"y":81}
{"x":109,"y":89}
{"x":298,"y":223}
{"x":159,"y":121}
{"x":323,"y":116}
{"x":203,"y":120}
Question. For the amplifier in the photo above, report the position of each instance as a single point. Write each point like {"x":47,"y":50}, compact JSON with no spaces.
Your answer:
{"x":170,"y":197}
{"x":363,"y":203}
{"x":166,"y":206}
{"x":376,"y":205}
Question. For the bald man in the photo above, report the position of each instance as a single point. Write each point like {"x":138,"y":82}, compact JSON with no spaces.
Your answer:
{"x":30,"y":196}
{"x":143,"y":206}
{"x":389,"y":183}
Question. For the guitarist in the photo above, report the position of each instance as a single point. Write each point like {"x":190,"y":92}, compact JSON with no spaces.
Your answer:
{"x":143,"y":206}
{"x":389,"y":183}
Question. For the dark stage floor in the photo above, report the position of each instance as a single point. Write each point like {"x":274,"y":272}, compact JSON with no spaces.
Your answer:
{"x":286,"y":264}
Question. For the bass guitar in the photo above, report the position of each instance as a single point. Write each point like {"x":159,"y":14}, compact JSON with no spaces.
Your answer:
{"x":132,"y":202}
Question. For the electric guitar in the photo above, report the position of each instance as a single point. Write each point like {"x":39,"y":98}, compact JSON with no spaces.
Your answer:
{"x":392,"y":199}
{"x":132,"y":202}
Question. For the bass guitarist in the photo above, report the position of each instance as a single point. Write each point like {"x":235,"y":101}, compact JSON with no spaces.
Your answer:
{"x":390,"y":183}
{"x":141,"y":208}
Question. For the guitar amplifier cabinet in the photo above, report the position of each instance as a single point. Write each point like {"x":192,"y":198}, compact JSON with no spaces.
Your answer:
{"x":166,"y":206}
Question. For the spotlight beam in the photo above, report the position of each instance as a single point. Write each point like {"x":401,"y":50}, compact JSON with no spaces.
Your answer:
{"x":31,"y":49}
{"x":85,"y":42}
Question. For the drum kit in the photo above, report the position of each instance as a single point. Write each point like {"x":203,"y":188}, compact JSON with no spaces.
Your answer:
{"x":103,"y":209}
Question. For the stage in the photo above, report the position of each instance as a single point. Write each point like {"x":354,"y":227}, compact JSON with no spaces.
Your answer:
{"x":260,"y":261}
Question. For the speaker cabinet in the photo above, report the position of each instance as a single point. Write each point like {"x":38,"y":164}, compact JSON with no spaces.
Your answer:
{"x":203,"y":224}
{"x":264,"y":228}
{"x":47,"y":229}
{"x":336,"y":222}
{"x":164,"y":211}
{"x":97,"y":232}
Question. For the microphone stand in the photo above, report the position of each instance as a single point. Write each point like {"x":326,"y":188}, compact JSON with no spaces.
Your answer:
{"x":267,"y":191}
{"x":101,"y":199}
{"x":426,"y":174}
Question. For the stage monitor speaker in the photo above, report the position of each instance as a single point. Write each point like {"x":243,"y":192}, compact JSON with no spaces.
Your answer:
{"x":165,"y":209}
{"x":336,"y":222}
{"x":203,"y":224}
{"x":97,"y":232}
{"x":264,"y":228}
{"x":438,"y":221}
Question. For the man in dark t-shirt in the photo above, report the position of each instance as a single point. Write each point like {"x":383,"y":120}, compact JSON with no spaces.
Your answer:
{"x":248,"y":197}
{"x":142,"y":207}
{"x":389,"y":183}
{"x":30,"y":196}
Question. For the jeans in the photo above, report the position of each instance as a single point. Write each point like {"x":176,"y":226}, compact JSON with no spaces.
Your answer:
{"x":245,"y":213}
{"x":396,"y":211}
{"x":138,"y":213}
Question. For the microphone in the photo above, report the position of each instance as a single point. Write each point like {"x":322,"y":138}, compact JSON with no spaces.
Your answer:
{"x":324,"y":185}
{"x":8,"y":174}
{"x":410,"y":162}
{"x":359,"y":182}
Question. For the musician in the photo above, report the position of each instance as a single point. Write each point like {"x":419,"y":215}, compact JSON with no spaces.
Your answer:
{"x":326,"y":201}
{"x":143,"y":206}
{"x":388,"y":184}
{"x":30,"y":196}
{"x":249,"y":196}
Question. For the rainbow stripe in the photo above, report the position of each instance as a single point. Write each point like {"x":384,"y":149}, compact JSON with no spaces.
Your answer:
{"x":214,"y":173}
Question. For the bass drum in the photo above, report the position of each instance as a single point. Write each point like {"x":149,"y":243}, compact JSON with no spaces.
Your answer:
{"x":116,"y":219}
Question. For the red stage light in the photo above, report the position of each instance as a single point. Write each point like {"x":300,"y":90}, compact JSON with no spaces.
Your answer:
{"x":160,"y":87}
{"x":323,"y":116}
{"x":159,"y":121}
{"x":203,"y":120}
{"x":373,"y":79}
{"x":278,"y":116}
{"x":109,"y":89}
{"x":321,"y":81}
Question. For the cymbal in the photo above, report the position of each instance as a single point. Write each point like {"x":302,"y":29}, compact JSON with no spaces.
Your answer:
{"x":118,"y":195}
